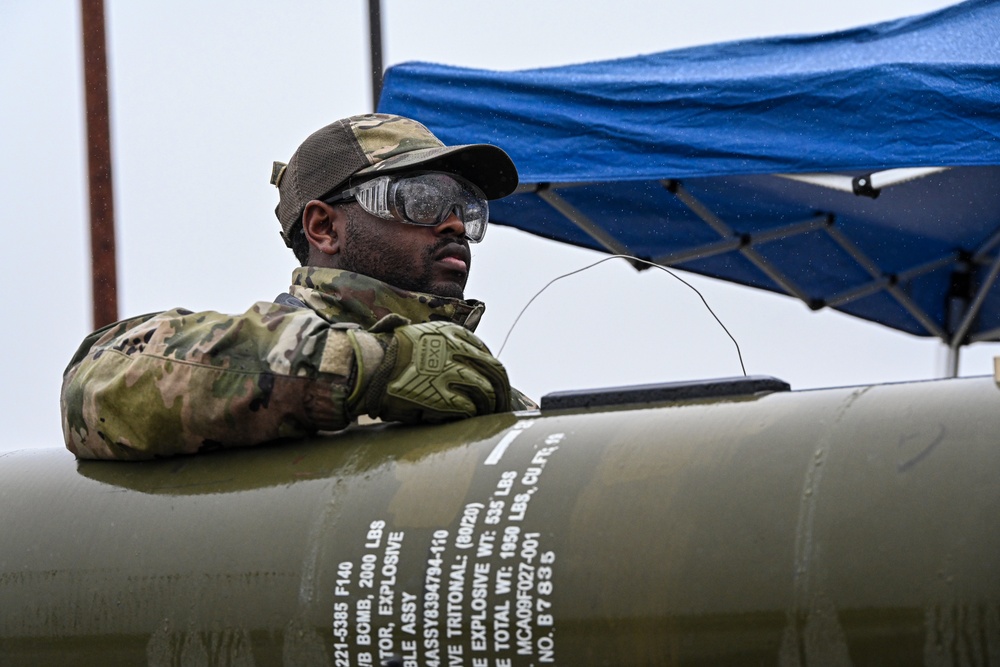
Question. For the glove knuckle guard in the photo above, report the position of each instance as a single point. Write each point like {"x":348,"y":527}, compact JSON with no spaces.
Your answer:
{"x":439,"y":371}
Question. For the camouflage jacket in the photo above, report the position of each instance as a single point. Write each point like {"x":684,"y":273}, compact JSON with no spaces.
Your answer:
{"x":179,"y":382}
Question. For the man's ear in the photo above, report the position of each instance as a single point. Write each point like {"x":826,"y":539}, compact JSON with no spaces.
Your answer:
{"x":324,"y":227}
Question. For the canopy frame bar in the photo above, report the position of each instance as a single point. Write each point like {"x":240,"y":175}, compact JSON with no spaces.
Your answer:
{"x":986,"y":247}
{"x":724,"y":230}
{"x":735,"y":241}
{"x":581,"y":220}
{"x":846,"y":244}
{"x":608,"y":242}
{"x":975,"y":307}
{"x":892,"y":284}
{"x":981,"y":336}
{"x":977,"y":303}
{"x":744,"y":243}
{"x":883,"y":280}
{"x":703,"y":251}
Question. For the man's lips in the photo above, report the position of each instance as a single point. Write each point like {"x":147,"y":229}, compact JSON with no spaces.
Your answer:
{"x":455,"y":257}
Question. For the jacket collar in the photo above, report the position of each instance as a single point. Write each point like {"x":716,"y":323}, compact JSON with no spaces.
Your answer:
{"x":342,"y":296}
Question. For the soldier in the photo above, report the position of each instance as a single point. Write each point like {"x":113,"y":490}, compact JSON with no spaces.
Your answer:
{"x":380,"y":214}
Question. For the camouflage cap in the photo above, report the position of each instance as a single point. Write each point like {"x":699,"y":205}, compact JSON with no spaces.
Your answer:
{"x":373,"y":144}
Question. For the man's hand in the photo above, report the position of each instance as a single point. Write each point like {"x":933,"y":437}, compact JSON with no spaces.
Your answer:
{"x":433,"y":372}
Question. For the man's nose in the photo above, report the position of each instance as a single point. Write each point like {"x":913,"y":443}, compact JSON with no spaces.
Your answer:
{"x":451,"y":225}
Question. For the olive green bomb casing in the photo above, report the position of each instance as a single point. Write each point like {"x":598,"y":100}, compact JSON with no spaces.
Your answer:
{"x":830,"y":527}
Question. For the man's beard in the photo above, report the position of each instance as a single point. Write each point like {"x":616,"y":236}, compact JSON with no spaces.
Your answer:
{"x":369,"y":253}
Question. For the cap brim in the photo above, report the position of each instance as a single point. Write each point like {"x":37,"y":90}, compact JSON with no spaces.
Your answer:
{"x":486,"y":166}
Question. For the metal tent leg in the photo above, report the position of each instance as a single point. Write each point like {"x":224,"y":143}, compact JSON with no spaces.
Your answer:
{"x":951,"y":362}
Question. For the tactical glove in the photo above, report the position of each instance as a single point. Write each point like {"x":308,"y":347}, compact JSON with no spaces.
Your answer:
{"x":431,"y":372}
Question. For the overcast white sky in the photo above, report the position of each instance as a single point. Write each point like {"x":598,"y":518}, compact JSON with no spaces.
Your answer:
{"x":205,"y":95}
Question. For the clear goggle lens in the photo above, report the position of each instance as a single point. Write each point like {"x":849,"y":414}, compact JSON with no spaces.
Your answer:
{"x":424,"y":199}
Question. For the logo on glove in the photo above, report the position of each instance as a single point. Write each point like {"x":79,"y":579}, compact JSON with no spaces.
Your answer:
{"x":432,"y":354}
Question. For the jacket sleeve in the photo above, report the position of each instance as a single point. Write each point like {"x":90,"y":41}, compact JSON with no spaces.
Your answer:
{"x":180,"y":382}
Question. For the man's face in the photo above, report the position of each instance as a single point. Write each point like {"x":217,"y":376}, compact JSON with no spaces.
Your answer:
{"x":434,"y":260}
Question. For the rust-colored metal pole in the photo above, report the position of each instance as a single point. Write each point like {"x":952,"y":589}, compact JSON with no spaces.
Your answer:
{"x":375,"y":48}
{"x":104,"y":282}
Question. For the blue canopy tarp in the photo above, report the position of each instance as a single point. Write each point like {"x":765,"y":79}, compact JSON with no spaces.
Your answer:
{"x":685,"y":157}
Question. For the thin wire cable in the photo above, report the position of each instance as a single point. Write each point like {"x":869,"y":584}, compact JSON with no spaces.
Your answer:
{"x":634,"y":259}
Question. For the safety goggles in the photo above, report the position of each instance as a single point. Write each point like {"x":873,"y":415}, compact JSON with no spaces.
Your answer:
{"x":426,"y":199}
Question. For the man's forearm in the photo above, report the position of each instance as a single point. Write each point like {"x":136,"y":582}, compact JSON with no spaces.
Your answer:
{"x":182,"y":382}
